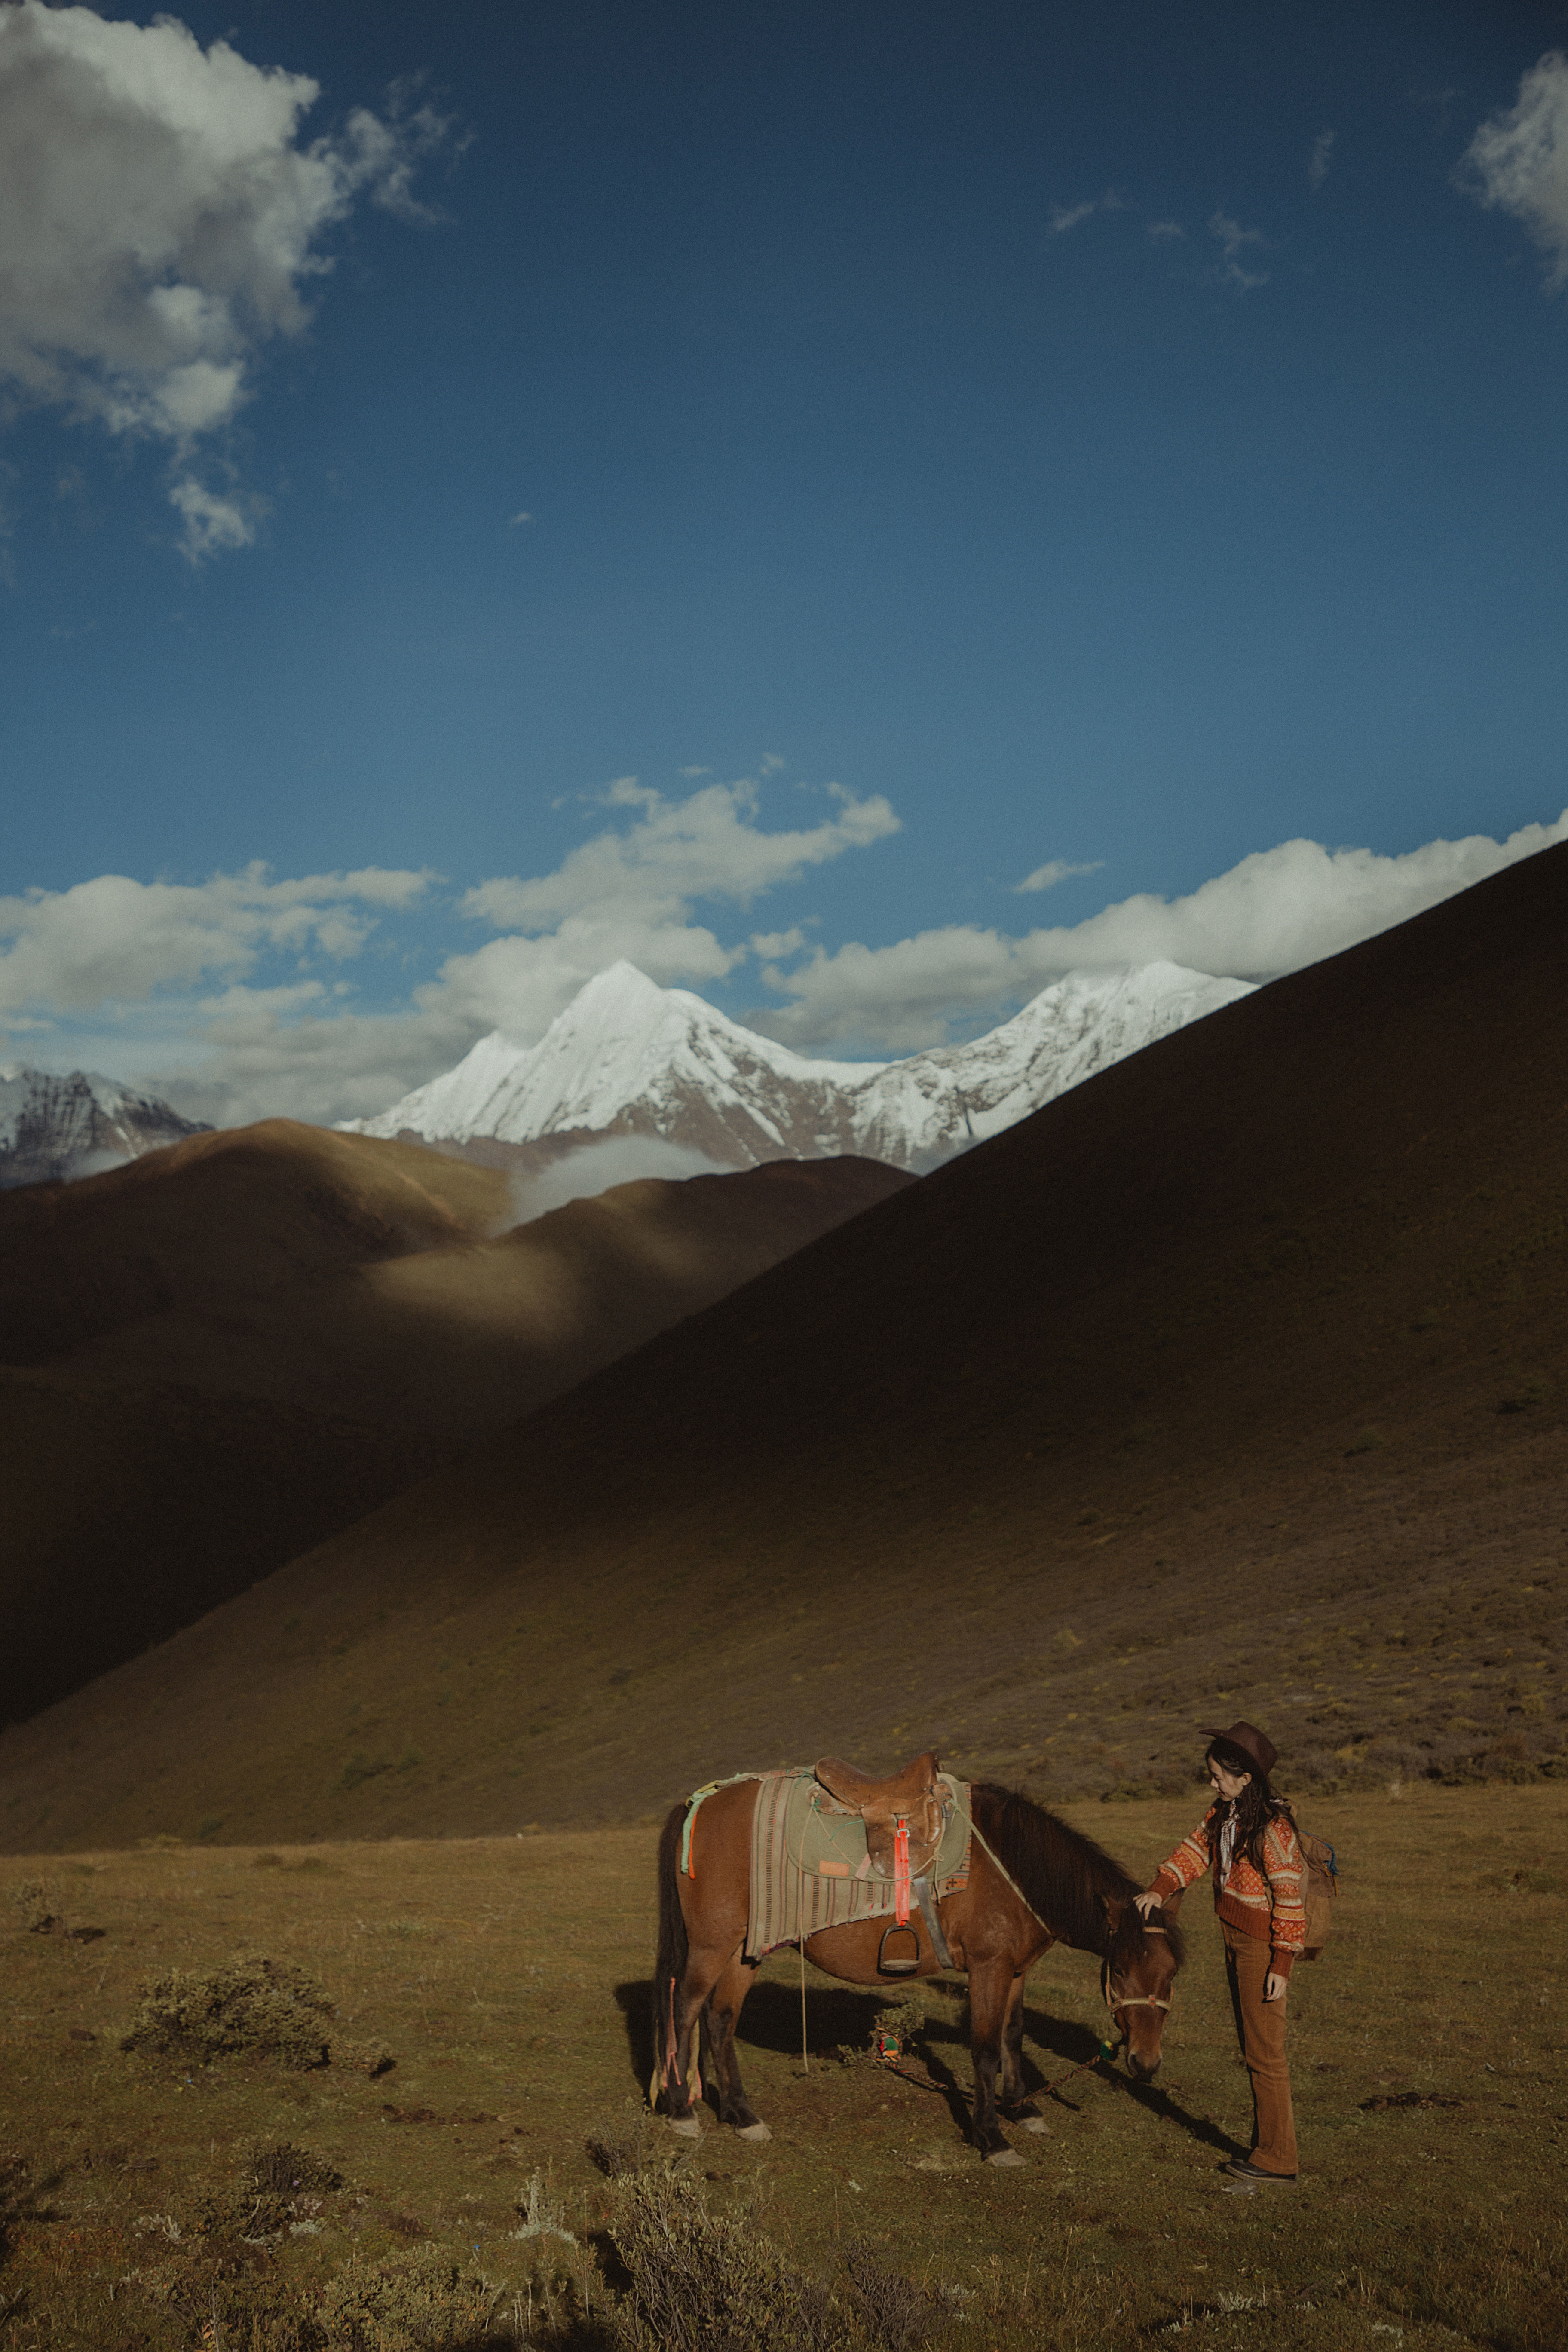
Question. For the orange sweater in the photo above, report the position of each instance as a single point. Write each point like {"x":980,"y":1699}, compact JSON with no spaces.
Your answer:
{"x":1264,"y":1903}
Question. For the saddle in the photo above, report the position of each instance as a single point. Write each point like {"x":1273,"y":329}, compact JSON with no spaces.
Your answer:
{"x":912,"y":1796}
{"x":903,"y":1821}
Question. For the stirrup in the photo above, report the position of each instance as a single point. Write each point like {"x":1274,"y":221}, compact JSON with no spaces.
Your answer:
{"x":899,"y":1967}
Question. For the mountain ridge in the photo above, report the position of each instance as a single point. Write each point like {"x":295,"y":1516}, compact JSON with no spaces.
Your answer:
{"x":627,"y":1057}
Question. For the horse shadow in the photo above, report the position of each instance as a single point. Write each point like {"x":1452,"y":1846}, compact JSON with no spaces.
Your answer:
{"x":841,"y":2017}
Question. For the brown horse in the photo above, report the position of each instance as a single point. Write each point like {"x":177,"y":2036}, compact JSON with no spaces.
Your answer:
{"x":1053,"y":1886}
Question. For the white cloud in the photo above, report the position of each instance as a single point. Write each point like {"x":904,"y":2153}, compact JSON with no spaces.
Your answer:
{"x":583,"y":1175}
{"x":1055,"y":870}
{"x":1068,"y":216}
{"x":1518,"y":160}
{"x":1235,"y":241}
{"x":158,"y":222}
{"x":1274,"y":912}
{"x":1322,"y":153}
{"x":708,"y":845}
{"x":631,"y":891}
{"x":1165,"y":229}
{"x":116,"y":940}
{"x":179,"y":981}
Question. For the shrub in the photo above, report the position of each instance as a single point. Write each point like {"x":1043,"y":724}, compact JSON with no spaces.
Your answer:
{"x":250,"y":2003}
{"x":697,"y":2281}
{"x":419,"y":2302}
{"x":700,"y":2284}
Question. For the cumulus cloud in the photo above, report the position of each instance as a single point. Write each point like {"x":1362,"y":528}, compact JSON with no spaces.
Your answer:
{"x":159,"y":220}
{"x":1274,"y":912}
{"x":708,"y":845}
{"x":1055,"y":870}
{"x":229,"y":996}
{"x":115,"y":941}
{"x":113,"y":944}
{"x":1518,"y":160}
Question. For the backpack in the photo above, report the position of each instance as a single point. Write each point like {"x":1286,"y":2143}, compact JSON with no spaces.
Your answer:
{"x":1320,"y":1885}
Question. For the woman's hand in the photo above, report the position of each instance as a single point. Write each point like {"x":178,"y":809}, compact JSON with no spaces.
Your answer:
{"x":1275,"y":1986}
{"x":1148,"y":1903}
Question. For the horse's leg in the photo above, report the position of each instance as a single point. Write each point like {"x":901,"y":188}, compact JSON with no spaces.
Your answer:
{"x":1016,"y":2103}
{"x":990,"y":1988}
{"x":678,"y":2086}
{"x":719,"y":2018}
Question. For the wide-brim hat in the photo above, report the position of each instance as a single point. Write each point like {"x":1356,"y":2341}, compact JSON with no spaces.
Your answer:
{"x":1252,"y":1742}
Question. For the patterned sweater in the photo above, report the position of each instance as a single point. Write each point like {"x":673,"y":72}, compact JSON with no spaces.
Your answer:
{"x":1264,"y":1903}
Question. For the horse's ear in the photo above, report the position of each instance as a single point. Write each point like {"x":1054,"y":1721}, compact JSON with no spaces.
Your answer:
{"x":1113,"y":1908}
{"x":1170,"y":1905}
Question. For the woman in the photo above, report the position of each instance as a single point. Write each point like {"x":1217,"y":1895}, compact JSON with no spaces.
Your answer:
{"x":1247,"y":1841}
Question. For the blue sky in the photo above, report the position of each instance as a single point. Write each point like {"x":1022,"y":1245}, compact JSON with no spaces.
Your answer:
{"x":956,"y":446}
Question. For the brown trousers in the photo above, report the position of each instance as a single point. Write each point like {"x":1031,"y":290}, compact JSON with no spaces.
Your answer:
{"x":1261,"y":2030}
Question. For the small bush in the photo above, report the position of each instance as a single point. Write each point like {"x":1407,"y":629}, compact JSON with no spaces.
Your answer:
{"x":697,"y":2281}
{"x":416,"y":2303}
{"x":897,"y":2315}
{"x":700,"y":2284}
{"x":36,"y":1909}
{"x":249,"y":2004}
{"x":624,"y":2145}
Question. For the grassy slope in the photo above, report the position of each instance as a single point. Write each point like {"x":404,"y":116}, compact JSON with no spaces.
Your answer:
{"x":508,"y":1978}
{"x":1233,"y":1380}
{"x":239,"y":1346}
{"x":465,"y":1337}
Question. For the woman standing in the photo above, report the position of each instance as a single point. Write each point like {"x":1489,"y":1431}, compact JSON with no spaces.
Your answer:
{"x":1247,"y":1842}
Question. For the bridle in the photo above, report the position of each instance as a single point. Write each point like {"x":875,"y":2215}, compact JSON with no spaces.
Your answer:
{"x":1115,"y":2000}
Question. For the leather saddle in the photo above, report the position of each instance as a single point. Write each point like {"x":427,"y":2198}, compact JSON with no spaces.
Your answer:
{"x":912,"y":1796}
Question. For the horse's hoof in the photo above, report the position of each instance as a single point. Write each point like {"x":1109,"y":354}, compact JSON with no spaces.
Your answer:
{"x":687,"y":2126}
{"x":753,"y":2131}
{"x":1035,"y":2124}
{"x":1005,"y":2156}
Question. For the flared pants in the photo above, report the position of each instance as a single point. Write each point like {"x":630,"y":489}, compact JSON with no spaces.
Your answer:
{"x":1261,"y":2030}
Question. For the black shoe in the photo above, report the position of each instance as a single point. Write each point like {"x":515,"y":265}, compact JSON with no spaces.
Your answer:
{"x":1249,"y":2175}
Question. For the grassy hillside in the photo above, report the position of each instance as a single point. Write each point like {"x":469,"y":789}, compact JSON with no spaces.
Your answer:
{"x":1233,"y":1380}
{"x":468,"y":1332}
{"x":508,"y":1979}
{"x":228,"y":1351}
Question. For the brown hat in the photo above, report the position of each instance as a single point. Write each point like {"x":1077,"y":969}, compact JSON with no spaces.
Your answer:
{"x":1251,"y":1742}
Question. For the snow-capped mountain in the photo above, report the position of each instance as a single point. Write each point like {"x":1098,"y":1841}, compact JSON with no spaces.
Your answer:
{"x":61,"y":1128}
{"x":627,"y":1057}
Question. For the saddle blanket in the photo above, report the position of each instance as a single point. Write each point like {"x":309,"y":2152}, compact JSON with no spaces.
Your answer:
{"x":810,"y":1869}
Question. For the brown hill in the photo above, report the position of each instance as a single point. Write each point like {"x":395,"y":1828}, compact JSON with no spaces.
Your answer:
{"x":1231,"y":1382}
{"x":236,"y":1348}
{"x":356,"y":1276}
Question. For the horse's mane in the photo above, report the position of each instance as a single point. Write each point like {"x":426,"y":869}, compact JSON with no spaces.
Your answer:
{"x":1062,"y":1873}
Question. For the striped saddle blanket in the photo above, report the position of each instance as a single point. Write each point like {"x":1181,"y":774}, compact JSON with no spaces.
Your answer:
{"x":810,"y":1869}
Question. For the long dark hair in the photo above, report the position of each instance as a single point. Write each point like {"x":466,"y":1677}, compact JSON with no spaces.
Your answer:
{"x":1255,"y":1807}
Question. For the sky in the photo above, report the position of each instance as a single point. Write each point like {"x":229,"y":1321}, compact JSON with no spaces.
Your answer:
{"x":861,"y":510}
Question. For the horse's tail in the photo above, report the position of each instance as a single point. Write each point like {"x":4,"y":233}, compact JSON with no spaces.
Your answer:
{"x":669,"y":1962}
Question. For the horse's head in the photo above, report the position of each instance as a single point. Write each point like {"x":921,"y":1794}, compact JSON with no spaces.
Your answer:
{"x":1140,"y":1971}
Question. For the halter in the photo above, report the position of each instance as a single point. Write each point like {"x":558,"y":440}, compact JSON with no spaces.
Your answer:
{"x":1115,"y":2000}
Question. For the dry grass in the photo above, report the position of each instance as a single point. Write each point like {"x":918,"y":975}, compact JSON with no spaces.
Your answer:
{"x":508,"y":1977}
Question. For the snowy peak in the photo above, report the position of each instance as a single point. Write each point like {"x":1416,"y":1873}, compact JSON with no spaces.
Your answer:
{"x":629,"y":1058}
{"x":56,"y":1129}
